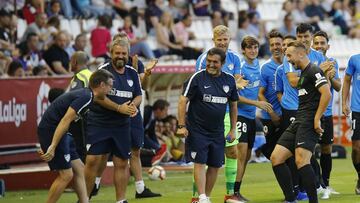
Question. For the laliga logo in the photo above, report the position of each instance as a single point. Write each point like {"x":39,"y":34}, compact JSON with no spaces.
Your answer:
{"x":42,"y":102}
{"x":12,"y":112}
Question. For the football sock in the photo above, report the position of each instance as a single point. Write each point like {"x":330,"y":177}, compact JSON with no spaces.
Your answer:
{"x":97,"y":181}
{"x":308,"y":179}
{"x":326,"y":166}
{"x":283,"y":176}
{"x":230,"y":174}
{"x":140,"y":186}
{"x":357,"y":168}
{"x":316,"y":169}
{"x":237,"y":187}
{"x":290,"y":162}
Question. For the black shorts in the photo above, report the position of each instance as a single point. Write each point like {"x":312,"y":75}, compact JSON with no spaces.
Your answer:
{"x":247,"y":129}
{"x":299,"y":134}
{"x":137,"y":131}
{"x":355,"y":117}
{"x":272,"y":133}
{"x":328,"y":127}
{"x":288,"y":116}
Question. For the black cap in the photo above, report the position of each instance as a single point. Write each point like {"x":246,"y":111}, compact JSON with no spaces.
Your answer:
{"x":4,"y":12}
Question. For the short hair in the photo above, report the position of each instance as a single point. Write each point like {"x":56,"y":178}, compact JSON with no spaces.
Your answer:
{"x":322,"y":34}
{"x":80,"y":57}
{"x":297,"y":44}
{"x":275,"y":34}
{"x":217,"y":51}
{"x":249,"y":41}
{"x":120,"y":35}
{"x":290,"y":37}
{"x":220,"y":30}
{"x":55,"y":93}
{"x":304,"y":27}
{"x":52,"y":2}
{"x":99,"y":76}
{"x":30,"y":35}
{"x":120,"y":42}
{"x":79,"y":36}
{"x":55,"y":21}
{"x":13,"y":66}
{"x":160,"y":104}
{"x":186,"y":16}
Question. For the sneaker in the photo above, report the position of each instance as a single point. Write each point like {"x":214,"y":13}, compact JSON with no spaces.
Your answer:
{"x":147,"y":193}
{"x":332,"y":191}
{"x":357,"y":188}
{"x":326,"y":194}
{"x":320,"y":190}
{"x":302,"y":196}
{"x":160,"y":153}
{"x":232,"y":199}
{"x":207,"y":200}
{"x":240,"y":197}
{"x":194,"y":200}
{"x":94,"y":191}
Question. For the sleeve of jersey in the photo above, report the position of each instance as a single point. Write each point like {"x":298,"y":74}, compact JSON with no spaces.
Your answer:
{"x":81,"y":102}
{"x":234,"y":93}
{"x":336,"y":70}
{"x":141,"y":68}
{"x":137,"y":85}
{"x":190,"y":85}
{"x":278,"y":81}
{"x":318,"y":77}
{"x":200,"y":62}
{"x":237,"y":64}
{"x":350,"y":68}
{"x":288,"y":67}
{"x":263,"y":78}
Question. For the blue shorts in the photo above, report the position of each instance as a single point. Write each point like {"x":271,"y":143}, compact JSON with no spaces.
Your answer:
{"x":104,"y":140}
{"x":137,"y":131}
{"x":65,"y":152}
{"x":205,"y":150}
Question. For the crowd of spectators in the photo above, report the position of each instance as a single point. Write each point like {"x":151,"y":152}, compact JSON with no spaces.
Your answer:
{"x":45,"y":49}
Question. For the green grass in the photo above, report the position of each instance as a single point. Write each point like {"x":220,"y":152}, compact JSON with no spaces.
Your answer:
{"x":259,"y":185}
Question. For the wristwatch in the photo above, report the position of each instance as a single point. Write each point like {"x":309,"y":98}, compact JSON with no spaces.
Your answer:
{"x":181,"y":126}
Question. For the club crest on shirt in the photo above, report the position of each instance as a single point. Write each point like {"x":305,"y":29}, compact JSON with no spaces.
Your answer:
{"x":130,"y":83}
{"x":226,"y":88}
{"x":73,"y":84}
{"x":193,"y":155}
{"x":67,"y":157}
{"x":231,"y":66}
{"x":358,"y":76}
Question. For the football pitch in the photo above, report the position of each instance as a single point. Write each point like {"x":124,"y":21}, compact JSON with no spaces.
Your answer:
{"x":259,"y":185}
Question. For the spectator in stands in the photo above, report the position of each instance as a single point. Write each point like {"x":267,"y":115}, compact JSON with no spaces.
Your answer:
{"x":218,"y":15}
{"x":181,"y":30}
{"x":6,"y":42}
{"x":56,"y":56}
{"x":137,"y":41}
{"x":253,"y":7}
{"x":200,"y":7}
{"x":288,"y":27}
{"x":257,"y":29}
{"x":243,"y":27}
{"x":167,"y":41}
{"x":30,"y":55}
{"x":287,"y":7}
{"x":174,"y":144}
{"x":159,"y":113}
{"x":68,"y":9}
{"x":79,"y":44}
{"x":153,"y":14}
{"x":101,"y":38}
{"x":174,"y":9}
{"x":52,"y":27}
{"x":32,"y":8}
{"x":300,"y":15}
{"x":88,"y":9}
{"x":338,"y":17}
{"x":314,"y":10}
{"x":15,"y":69}
{"x":54,"y":8}
{"x":121,"y":8}
{"x":38,"y":27}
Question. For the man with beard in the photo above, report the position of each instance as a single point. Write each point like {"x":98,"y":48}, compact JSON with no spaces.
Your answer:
{"x":209,"y":92}
{"x":321,"y":43}
{"x":60,"y":153}
{"x":136,"y":132}
{"x":108,"y":131}
{"x":300,"y":138}
{"x":271,"y":120}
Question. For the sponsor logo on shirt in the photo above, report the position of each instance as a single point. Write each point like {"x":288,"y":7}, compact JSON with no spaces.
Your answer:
{"x":302,"y":92}
{"x":213,"y":99}
{"x":231,"y":66}
{"x":123,"y":94}
{"x":254,"y":84}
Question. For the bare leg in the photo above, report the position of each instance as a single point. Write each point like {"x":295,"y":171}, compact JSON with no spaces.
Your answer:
{"x":121,"y":177}
{"x":59,"y":185}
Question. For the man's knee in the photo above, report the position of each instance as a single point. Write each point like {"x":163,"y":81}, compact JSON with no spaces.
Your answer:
{"x":135,"y":153}
{"x":120,"y":163}
{"x":231,"y":152}
{"x":66,"y":175}
{"x":326,"y":148}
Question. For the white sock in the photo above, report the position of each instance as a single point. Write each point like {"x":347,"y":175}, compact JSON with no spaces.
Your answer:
{"x":121,"y":201}
{"x":202,"y":196}
{"x":140,"y":186}
{"x":97,"y":181}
